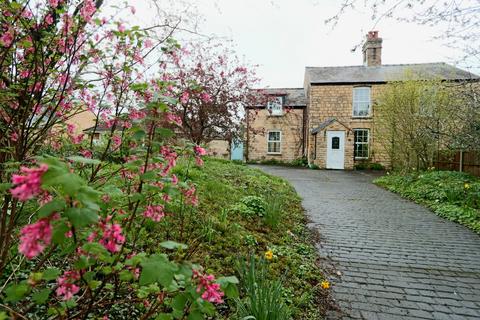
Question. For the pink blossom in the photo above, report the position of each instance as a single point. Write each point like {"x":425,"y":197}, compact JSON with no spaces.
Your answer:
{"x":173,"y":118}
{"x":117,"y":141}
{"x":14,"y":136}
{"x":28,"y":185}
{"x":199,"y":161}
{"x":212,"y":292}
{"x":137,"y":114}
{"x":206,"y":97}
{"x":148,"y":43}
{"x":6,"y":39}
{"x":71,"y":128}
{"x":199,"y":151}
{"x":49,"y":19}
{"x":185,"y":97}
{"x":66,"y":287}
{"x":77,"y":139}
{"x":45,"y":198}
{"x":121,"y":27}
{"x":86,"y":153}
{"x":190,"y":197}
{"x":155,"y":213}
{"x":133,"y":10}
{"x":53,"y":3}
{"x":112,"y":237}
{"x":88,"y":9}
{"x":27,"y":14}
{"x":174,"y":179}
{"x":35,"y":237}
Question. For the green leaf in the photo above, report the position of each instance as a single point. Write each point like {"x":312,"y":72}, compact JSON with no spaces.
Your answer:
{"x":81,"y":217}
{"x":125,"y":275}
{"x":50,"y":274}
{"x":173,"y":245}
{"x":195,"y":315}
{"x":41,"y":296}
{"x":139,"y":135}
{"x":164,"y":316}
{"x":16,"y":292}
{"x":179,"y":302}
{"x":84,"y":160}
{"x":3,"y":316}
{"x":157,"y":268}
{"x":56,"y":205}
{"x":165,"y":133}
{"x":59,"y":231}
{"x":226,"y":280}
{"x":5,"y":186}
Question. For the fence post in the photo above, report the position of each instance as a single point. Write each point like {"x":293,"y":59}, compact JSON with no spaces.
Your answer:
{"x":461,"y":161}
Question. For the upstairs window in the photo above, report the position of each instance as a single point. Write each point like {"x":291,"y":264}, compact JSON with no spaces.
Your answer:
{"x":361,"y":137}
{"x":274,"y":141}
{"x":361,"y":102}
{"x":275,"y":106}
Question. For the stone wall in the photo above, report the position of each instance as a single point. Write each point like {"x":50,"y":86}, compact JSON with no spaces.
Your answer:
{"x":218,"y":149}
{"x":336,"y":101}
{"x":290,"y":124}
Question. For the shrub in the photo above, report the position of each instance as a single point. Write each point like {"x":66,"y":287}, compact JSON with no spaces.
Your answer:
{"x":299,"y":162}
{"x":376,"y":166}
{"x":255,"y":206}
{"x":264,"y":298}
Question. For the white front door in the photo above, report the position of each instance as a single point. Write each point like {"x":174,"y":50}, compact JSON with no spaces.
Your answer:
{"x":335,"y":149}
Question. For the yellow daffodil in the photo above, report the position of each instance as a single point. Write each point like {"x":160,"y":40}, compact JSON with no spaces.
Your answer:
{"x":466,"y":186}
{"x":325,"y":284}
{"x":269,"y":255}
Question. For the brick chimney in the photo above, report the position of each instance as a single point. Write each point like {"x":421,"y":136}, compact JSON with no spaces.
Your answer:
{"x":372,"y":50}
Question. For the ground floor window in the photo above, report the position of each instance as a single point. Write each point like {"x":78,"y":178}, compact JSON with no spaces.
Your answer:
{"x":361,"y":148}
{"x":274,"y":140}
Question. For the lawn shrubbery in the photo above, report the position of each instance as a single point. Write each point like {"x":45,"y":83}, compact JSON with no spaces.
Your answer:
{"x":452,"y":195}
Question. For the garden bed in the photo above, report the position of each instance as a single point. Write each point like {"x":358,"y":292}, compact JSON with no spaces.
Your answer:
{"x":452,"y":195}
{"x":229,"y":228}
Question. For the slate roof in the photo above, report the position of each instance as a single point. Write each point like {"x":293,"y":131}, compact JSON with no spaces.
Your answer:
{"x":294,"y":97}
{"x":385,"y":73}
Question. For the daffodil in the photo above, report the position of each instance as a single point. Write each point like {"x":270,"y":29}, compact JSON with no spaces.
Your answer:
{"x":269,"y":255}
{"x":325,"y":284}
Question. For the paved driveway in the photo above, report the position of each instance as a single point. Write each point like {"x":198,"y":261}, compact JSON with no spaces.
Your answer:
{"x":397,"y":260}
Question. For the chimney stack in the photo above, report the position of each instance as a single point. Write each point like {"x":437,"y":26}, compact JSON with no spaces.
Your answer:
{"x":372,"y":50}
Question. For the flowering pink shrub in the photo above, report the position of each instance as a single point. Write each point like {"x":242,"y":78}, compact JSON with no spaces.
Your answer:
{"x":211,"y":290}
{"x":92,"y":201}
{"x":34,"y":238}
{"x":28,"y":184}
{"x":66,"y":287}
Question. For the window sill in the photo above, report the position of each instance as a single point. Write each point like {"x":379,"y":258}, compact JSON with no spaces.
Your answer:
{"x":362,"y":117}
{"x":274,"y":153}
{"x":361,"y":158}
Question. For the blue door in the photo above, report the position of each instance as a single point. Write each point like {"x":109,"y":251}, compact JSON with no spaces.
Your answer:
{"x":237,"y":150}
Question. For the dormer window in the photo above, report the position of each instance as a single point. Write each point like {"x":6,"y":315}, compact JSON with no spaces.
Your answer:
{"x":275,"y":106}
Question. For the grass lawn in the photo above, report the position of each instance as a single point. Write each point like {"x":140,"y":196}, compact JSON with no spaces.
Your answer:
{"x":244,"y":211}
{"x":452,"y":195}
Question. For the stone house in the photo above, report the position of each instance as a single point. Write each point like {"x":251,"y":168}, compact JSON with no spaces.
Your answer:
{"x":331,"y":120}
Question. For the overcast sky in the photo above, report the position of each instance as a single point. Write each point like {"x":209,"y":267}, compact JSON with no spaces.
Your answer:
{"x":284,"y":36}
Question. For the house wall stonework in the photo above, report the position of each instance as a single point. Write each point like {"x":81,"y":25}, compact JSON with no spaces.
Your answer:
{"x":218,"y":149}
{"x":336,"y":101}
{"x":260,"y":122}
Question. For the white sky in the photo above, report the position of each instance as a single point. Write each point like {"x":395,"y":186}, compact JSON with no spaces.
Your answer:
{"x":284,"y":36}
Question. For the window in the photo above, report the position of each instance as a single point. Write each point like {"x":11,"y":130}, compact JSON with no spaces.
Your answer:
{"x":275,"y":107}
{"x":361,"y":137}
{"x":335,"y":143}
{"x":361,"y":102}
{"x":274,"y":142}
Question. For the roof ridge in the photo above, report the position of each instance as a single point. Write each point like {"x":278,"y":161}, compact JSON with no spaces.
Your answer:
{"x":383,"y":65}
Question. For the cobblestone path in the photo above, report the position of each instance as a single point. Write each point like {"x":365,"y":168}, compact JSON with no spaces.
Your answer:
{"x":397,"y":260}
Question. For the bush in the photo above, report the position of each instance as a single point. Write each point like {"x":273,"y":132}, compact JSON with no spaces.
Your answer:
{"x":252,"y":206}
{"x":300,"y":162}
{"x":264,"y":298}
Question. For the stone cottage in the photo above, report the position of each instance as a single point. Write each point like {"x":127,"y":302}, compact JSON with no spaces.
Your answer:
{"x":331,"y":120}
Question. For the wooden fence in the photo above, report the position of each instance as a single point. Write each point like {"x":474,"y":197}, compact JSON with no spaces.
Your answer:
{"x":465,"y":161}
